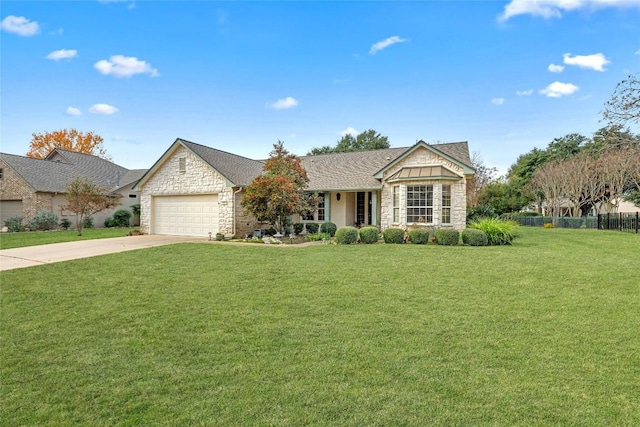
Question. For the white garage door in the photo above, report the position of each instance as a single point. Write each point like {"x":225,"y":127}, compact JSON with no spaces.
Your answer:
{"x":9,"y":209}
{"x":185,"y":215}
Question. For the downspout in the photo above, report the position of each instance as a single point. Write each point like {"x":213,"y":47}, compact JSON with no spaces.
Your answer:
{"x":234,"y":209}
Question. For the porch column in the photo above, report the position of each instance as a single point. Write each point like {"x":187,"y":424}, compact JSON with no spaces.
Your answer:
{"x":327,"y":206}
{"x":374,"y":208}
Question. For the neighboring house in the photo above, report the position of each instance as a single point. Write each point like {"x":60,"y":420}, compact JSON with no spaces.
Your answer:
{"x":28,"y":185}
{"x":195,"y":190}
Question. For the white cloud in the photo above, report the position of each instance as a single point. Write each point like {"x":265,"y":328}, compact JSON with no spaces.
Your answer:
{"x":524,"y":92}
{"x":348,"y":131}
{"x":125,"y":66}
{"x":57,"y":55}
{"x":558,"y":89}
{"x":497,"y":101}
{"x":284,"y":104}
{"x":103,"y":109}
{"x":638,"y":52}
{"x":72,"y":111}
{"x":554,"y":8}
{"x":555,"y":68}
{"x":20,"y":25}
{"x":385,"y":44}
{"x":597,"y":61}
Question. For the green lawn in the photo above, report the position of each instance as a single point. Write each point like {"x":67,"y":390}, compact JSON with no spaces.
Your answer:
{"x":33,"y":238}
{"x":544,"y":332}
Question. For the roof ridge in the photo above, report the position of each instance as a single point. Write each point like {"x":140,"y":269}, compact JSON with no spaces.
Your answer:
{"x":218,"y":150}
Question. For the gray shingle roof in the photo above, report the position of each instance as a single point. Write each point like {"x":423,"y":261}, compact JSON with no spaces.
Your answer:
{"x":237,"y":169}
{"x":53,"y":176}
{"x":356,"y":170}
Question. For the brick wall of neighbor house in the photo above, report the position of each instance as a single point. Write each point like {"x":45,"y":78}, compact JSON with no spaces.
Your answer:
{"x":424,"y":157}
{"x":198,"y":178}
{"x":245,"y":222}
{"x":13,"y":187}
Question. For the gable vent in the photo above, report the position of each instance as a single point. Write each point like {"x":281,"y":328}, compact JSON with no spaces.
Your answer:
{"x":182,"y":164}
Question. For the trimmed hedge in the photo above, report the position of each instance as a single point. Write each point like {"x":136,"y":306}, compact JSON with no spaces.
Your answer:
{"x":419,"y":236}
{"x":347,"y":235}
{"x":369,"y":234}
{"x":328,"y":227}
{"x":447,"y":237}
{"x":473,"y":237}
{"x":312,"y":227}
{"x":393,"y":235}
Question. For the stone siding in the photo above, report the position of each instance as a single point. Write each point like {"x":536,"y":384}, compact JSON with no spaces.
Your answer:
{"x":198,"y":178}
{"x":424,"y":157}
{"x":14,"y":187}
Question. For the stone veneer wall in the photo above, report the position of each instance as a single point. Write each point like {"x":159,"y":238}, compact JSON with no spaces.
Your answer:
{"x":424,"y":157}
{"x":14,"y":187}
{"x":199,"y":178}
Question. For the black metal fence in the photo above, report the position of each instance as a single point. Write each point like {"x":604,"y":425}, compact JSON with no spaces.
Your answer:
{"x":563,"y":221}
{"x":629,"y":222}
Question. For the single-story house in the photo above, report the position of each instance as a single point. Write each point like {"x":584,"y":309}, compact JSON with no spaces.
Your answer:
{"x":28,"y":185}
{"x":195,"y":190}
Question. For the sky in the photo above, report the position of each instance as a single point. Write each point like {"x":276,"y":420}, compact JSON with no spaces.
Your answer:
{"x":506,"y":76}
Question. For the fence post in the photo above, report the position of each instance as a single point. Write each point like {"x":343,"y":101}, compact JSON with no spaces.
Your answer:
{"x":637,"y":221}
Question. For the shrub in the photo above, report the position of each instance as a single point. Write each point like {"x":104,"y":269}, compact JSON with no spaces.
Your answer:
{"x":369,"y":234}
{"x":312,"y":227}
{"x":447,"y":237}
{"x":121,"y":218}
{"x":88,"y":222}
{"x":473,"y":237}
{"x":44,"y":220}
{"x":298,"y":227}
{"x":480,"y":211}
{"x":548,"y":225}
{"x":347,"y":235}
{"x":65,"y":224}
{"x":328,"y":227}
{"x":109,"y":222}
{"x":419,"y":236}
{"x":14,"y":224}
{"x":317,"y":237}
{"x":135,"y":209}
{"x":499,"y":232}
{"x":393,"y":235}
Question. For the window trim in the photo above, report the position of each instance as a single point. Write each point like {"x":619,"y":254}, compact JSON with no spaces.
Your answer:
{"x":425,"y":190}
{"x":395,"y":204}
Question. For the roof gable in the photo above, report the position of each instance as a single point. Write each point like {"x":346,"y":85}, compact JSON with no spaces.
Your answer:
{"x":452,"y":152}
{"x":238,"y":171}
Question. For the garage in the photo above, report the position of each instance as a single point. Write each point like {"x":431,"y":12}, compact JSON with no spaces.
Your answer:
{"x":9,"y":209}
{"x":195,"y":215}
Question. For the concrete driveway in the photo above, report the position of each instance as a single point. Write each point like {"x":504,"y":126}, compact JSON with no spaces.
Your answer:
{"x":47,"y":254}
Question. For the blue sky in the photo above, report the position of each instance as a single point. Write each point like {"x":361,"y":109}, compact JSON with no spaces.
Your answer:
{"x":506,"y":76}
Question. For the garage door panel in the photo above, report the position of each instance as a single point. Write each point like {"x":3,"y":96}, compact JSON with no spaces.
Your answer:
{"x":9,"y":209}
{"x":185,"y":215}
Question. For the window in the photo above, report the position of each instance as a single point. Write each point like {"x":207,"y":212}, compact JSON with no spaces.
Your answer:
{"x":320,"y":206}
{"x":1,"y":173}
{"x":133,"y":196}
{"x":182,"y":164}
{"x":419,"y":203}
{"x":360,"y":208}
{"x":310,"y":216}
{"x":396,"y":203}
{"x":446,"y":204}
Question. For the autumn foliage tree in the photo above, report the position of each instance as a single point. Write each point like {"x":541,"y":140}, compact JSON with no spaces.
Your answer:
{"x":85,"y":198}
{"x":279,"y":191}
{"x":67,"y":139}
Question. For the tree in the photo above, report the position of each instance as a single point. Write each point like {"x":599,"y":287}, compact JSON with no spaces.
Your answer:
{"x":67,"y":139}
{"x":483,"y":176}
{"x":623,"y":107}
{"x":84,"y":198}
{"x":367,"y":140}
{"x":279,"y":191}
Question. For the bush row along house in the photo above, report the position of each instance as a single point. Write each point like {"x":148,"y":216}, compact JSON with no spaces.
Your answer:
{"x":194,"y":190}
{"x":28,"y":185}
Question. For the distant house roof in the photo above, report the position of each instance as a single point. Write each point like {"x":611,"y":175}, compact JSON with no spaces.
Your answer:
{"x":48,"y":175}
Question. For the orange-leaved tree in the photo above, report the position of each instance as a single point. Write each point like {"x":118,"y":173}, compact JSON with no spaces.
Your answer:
{"x":67,"y":139}
{"x":279,"y":191}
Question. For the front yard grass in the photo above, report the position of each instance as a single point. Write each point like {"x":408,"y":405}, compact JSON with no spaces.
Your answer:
{"x":544,"y":332}
{"x":34,"y":238}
